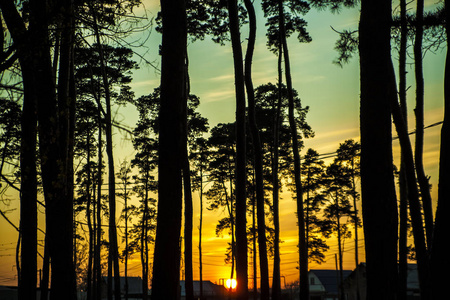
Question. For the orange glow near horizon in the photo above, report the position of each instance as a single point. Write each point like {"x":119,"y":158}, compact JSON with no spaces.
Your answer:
{"x":231,"y":283}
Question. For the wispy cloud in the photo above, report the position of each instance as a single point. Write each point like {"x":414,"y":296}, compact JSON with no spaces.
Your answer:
{"x":219,"y":95}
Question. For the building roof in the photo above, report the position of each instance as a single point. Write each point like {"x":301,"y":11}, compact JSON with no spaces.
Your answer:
{"x":329,"y":278}
{"x":134,"y":284}
{"x":209,"y":288}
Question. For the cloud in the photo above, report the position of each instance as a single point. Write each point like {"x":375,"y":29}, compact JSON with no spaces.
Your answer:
{"x":218,"y":95}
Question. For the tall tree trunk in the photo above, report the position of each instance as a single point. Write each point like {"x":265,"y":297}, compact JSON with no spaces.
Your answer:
{"x":276,"y":197}
{"x":340,"y":261}
{"x":200,"y":227}
{"x":356,"y":223}
{"x":303,"y":251}
{"x":377,"y":179}
{"x":440,"y":259}
{"x":188,"y":206}
{"x":419,"y":111}
{"x":126,"y":239}
{"x":403,"y":206}
{"x":167,"y":247}
{"x":144,"y":240}
{"x":113,"y":256}
{"x":188,"y":214}
{"x":276,"y":188}
{"x":241,"y":221}
{"x":98,"y":244}
{"x":89,"y":220}
{"x":414,"y":202}
{"x":45,"y":272}
{"x":54,"y":138}
{"x":255,"y":251}
{"x":28,"y":197}
{"x":33,"y":44}
{"x":258,"y":164}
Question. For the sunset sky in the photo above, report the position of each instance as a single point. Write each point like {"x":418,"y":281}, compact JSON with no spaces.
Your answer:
{"x":331,"y":92}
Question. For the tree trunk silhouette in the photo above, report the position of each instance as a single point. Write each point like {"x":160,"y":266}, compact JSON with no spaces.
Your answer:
{"x":419,"y":111}
{"x":276,"y":280}
{"x":43,"y":284}
{"x":89,"y":221}
{"x":439,"y":250}
{"x":303,"y":251}
{"x":403,"y":197}
{"x":413,"y":196}
{"x":200,"y":227}
{"x":98,"y":214}
{"x":377,"y":179}
{"x":28,"y":200}
{"x":241,"y":209}
{"x":167,"y":247}
{"x":144,"y":240}
{"x":113,"y":253}
{"x":28,"y":188}
{"x":255,"y":251}
{"x":356,"y":223}
{"x":188,"y":208}
{"x":258,"y":159}
{"x":54,"y":141}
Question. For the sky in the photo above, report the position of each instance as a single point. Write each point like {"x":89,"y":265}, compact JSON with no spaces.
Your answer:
{"x":331,"y":92}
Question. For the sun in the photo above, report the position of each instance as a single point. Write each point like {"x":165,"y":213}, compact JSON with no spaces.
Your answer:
{"x":231,"y":283}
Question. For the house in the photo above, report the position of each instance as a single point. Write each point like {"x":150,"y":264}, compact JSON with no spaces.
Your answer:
{"x":324,"y":284}
{"x":357,"y":281}
{"x":134,"y":287}
{"x":210,"y":290}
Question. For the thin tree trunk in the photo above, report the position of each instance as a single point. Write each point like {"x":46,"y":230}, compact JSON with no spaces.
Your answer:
{"x":413,"y":196}
{"x":144,"y":241}
{"x":126,"y":234}
{"x":200,"y":227}
{"x":188,"y":206}
{"x":241,"y":227}
{"x":276,"y":292}
{"x":45,"y":272}
{"x":255,"y":253}
{"x":89,"y":220}
{"x":113,"y":256}
{"x":403,"y":206}
{"x":440,"y":260}
{"x":97,"y":256}
{"x":339,"y":238}
{"x":276,"y":283}
{"x":166,"y":263}
{"x":377,"y":179}
{"x":419,"y":111}
{"x":188,"y":214}
{"x":303,"y":251}
{"x":258,"y":165}
{"x":355,"y":221}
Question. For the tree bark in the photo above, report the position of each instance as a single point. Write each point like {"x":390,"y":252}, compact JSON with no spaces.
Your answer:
{"x":167,"y":247}
{"x":377,"y":179}
{"x":241,"y":207}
